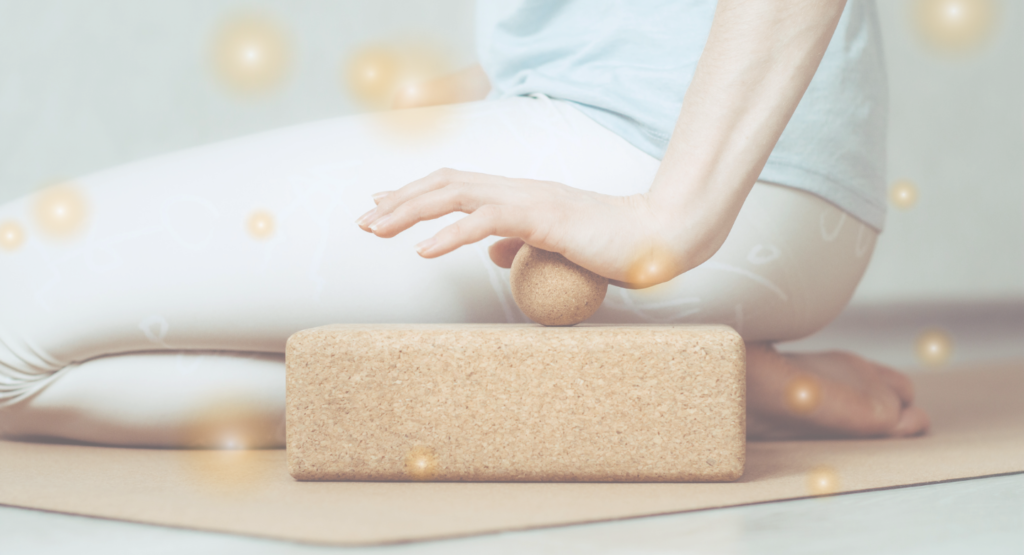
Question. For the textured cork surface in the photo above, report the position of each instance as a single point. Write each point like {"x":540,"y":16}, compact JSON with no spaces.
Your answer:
{"x":553,"y":291}
{"x":516,"y":403}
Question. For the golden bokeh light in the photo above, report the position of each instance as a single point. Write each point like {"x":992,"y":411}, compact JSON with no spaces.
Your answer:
{"x":652,"y":266}
{"x":61,"y":211}
{"x":934,"y":347}
{"x":230,"y":471}
{"x":954,"y":26}
{"x":803,"y":394}
{"x":822,"y":480}
{"x":903,"y":194}
{"x":260,"y":225}
{"x":421,"y":463}
{"x":227,"y":437}
{"x":250,"y":53}
{"x":374,"y":74}
{"x":232,"y":424}
{"x":378,"y":76}
{"x":11,"y":235}
{"x":400,"y":76}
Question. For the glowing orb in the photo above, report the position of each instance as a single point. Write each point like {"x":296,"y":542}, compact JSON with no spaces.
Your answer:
{"x":412,"y":94}
{"x":822,"y":480}
{"x":934,"y":347}
{"x":380,"y":75}
{"x":250,"y":53}
{"x":654,"y":265}
{"x":954,"y":25}
{"x":61,"y":211}
{"x":226,"y":436}
{"x":230,"y":423}
{"x":260,"y":225}
{"x":11,"y":235}
{"x":405,"y":76}
{"x":232,"y":471}
{"x":421,"y":463}
{"x":802,"y":394}
{"x":903,"y":194}
{"x":373,"y":76}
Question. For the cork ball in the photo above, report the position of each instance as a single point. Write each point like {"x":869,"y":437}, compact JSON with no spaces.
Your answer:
{"x":552,"y":291}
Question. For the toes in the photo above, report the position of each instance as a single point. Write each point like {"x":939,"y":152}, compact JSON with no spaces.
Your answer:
{"x":913,"y":421}
{"x":899,"y":383}
{"x":828,"y":395}
{"x":864,"y":410}
{"x":879,"y":413}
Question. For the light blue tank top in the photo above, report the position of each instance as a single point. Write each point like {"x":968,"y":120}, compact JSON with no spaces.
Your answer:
{"x":627,"y":65}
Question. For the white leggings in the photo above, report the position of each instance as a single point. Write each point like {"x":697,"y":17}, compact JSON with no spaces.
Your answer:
{"x":163,"y":322}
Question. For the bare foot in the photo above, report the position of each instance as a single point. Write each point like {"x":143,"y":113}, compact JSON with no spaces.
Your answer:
{"x":827,"y":395}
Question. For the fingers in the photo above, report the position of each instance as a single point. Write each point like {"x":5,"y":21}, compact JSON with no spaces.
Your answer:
{"x":503,"y":252}
{"x":433,"y":196}
{"x":387,"y":202}
{"x":488,"y":220}
{"x":436,"y":180}
{"x":457,"y":197}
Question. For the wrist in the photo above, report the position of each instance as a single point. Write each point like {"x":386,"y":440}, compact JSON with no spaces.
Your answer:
{"x":688,"y":226}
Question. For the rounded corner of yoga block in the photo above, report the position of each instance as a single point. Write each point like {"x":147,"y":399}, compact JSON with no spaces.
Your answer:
{"x":734,"y":468}
{"x":732,"y":339}
{"x":299,"y":339}
{"x":509,"y":402}
{"x":295,"y":467}
{"x":553,"y":291}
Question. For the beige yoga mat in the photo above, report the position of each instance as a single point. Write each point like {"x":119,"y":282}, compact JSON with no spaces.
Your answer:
{"x":978,"y":430}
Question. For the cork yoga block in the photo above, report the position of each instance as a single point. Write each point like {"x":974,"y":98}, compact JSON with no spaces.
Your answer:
{"x":497,"y":402}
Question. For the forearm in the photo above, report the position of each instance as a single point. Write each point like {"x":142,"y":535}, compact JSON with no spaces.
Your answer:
{"x":465,"y":85}
{"x":757,"y":63}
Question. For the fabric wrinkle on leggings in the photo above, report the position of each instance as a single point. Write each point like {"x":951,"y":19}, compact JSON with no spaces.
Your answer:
{"x":95,"y":331}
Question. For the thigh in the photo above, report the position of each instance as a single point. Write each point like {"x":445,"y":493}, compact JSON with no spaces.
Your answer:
{"x":160,"y":399}
{"x":237,"y":245}
{"x":790,"y":264}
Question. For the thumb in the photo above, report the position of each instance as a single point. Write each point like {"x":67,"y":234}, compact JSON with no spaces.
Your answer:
{"x":504,"y":251}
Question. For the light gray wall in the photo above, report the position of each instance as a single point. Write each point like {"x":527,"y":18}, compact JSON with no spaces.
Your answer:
{"x":87,"y":85}
{"x":957,"y":131}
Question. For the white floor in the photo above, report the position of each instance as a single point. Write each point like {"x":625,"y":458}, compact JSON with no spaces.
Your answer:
{"x":978,"y":516}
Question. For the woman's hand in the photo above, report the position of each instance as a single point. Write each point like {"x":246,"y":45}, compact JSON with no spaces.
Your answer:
{"x":758,"y":60}
{"x":621,"y":238}
{"x":756,"y":65}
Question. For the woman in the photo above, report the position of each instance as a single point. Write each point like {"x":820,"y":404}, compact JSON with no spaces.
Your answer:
{"x":163,"y":321}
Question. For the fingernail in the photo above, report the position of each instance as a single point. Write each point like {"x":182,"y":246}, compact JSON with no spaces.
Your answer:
{"x":380,"y":195}
{"x":365,"y":217}
{"x":380,"y":222}
{"x":425,"y":246}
